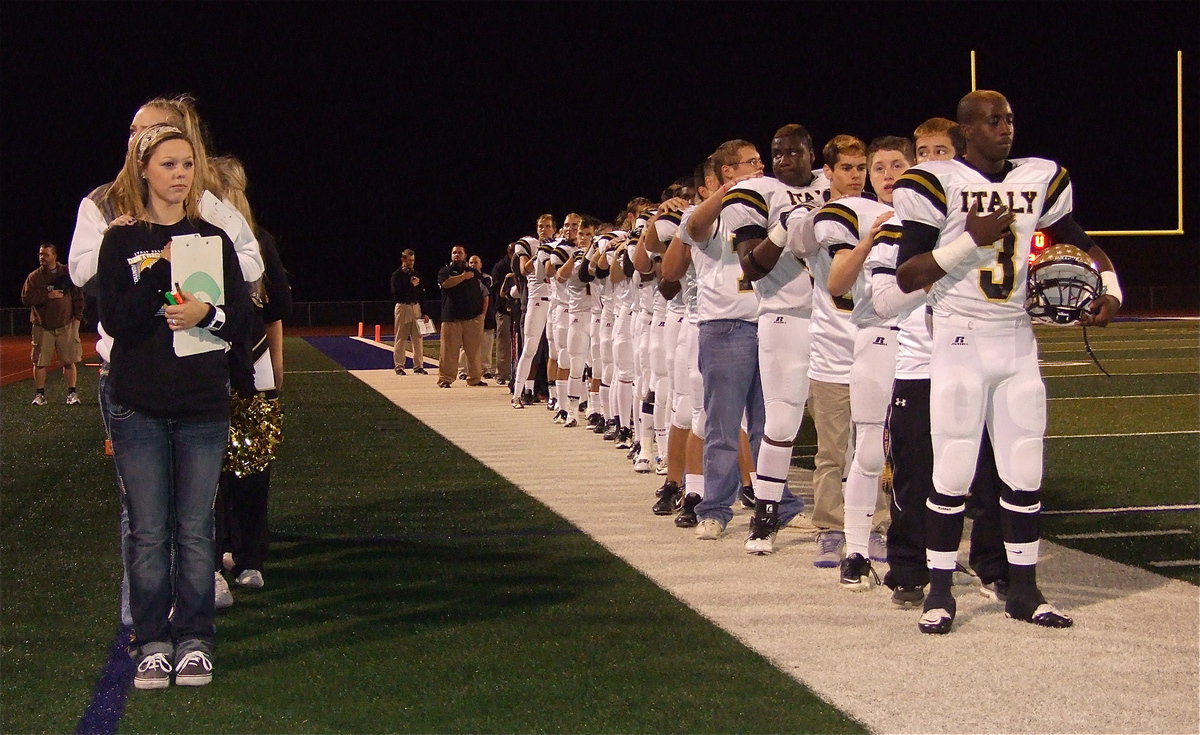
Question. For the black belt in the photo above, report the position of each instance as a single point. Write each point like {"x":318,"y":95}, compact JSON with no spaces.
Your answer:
{"x":543,"y":298}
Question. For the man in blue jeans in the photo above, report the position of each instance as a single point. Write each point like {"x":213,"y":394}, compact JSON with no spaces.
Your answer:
{"x":728,"y":313}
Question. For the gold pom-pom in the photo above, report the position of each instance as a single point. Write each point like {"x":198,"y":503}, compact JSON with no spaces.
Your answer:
{"x":255,"y":432}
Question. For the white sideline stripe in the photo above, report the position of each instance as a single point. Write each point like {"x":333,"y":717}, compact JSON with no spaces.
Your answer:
{"x":1099,"y":398}
{"x":1176,"y":563}
{"x":1128,"y":509}
{"x":1133,"y":433}
{"x":388,"y":348}
{"x":779,"y":604}
{"x":1124,"y":534}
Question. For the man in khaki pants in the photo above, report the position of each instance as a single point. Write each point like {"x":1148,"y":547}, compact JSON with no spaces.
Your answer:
{"x":406,"y":292}
{"x":464,"y":303}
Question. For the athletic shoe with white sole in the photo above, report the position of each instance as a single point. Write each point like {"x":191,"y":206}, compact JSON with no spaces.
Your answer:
{"x":709,"y":529}
{"x":72,"y":399}
{"x":570,"y":423}
{"x":153,"y":672}
{"x":194,"y":669}
{"x":857,"y":574}
{"x":222,"y":597}
{"x":641,"y":465}
{"x":660,"y":467}
{"x":39,"y":399}
{"x":227,"y":560}
{"x":624,"y":438}
{"x":830,"y":545}
{"x":764,"y":526}
{"x":250,"y":578}
{"x":1031,"y":607}
{"x":938,"y":615}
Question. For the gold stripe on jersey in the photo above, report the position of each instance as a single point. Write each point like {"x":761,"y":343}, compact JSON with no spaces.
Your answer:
{"x":751,"y":199}
{"x":1058,"y":184}
{"x":671,"y":217}
{"x":889,"y":234}
{"x":841,"y":214}
{"x":925,"y":184}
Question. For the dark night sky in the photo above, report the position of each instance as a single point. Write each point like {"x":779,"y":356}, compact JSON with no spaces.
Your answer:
{"x":368,"y":127}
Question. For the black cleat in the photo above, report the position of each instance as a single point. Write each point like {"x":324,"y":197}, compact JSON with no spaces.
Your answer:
{"x":1032,"y":607}
{"x":764,"y":526}
{"x":634,"y":451}
{"x":611,"y":430}
{"x":938,"y":616}
{"x":904,"y":596}
{"x":747,"y":495}
{"x":687,"y":514}
{"x":669,"y":496}
{"x":594,"y":420}
{"x":857,"y":574}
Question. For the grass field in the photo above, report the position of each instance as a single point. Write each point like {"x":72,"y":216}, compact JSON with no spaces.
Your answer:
{"x":413,"y":590}
{"x":410,"y":590}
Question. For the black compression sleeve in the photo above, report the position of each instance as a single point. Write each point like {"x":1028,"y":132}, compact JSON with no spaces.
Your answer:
{"x":917,"y":238}
{"x":1068,"y":230}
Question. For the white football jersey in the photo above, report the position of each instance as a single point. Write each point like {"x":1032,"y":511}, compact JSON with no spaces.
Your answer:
{"x":787,"y":289}
{"x":849,"y":220}
{"x":989,"y":283}
{"x":721,"y":290}
{"x":837,"y":225}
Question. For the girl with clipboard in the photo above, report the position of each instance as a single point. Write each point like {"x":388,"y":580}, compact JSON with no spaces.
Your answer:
{"x":169,"y":408}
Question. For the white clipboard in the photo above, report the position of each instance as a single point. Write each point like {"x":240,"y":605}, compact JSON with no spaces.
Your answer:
{"x":197,"y":266}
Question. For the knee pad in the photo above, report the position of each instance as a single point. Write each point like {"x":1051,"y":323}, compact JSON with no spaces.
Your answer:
{"x":1021,"y":465}
{"x":681,"y":412}
{"x":954,"y":465}
{"x":868,"y":449}
{"x":699,"y":419}
{"x":782,"y":420}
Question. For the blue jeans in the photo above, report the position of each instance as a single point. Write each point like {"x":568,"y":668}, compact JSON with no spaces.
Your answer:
{"x":126,"y":615}
{"x":732,"y":387}
{"x":169,"y":470}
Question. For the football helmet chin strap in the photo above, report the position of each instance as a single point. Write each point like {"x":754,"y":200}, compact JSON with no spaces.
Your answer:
{"x":1063,"y":282}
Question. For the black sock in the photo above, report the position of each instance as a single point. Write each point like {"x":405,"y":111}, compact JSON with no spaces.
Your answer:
{"x":41,"y":391}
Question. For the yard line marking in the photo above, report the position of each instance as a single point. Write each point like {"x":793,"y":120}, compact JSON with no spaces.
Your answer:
{"x":1132,"y":433}
{"x":1124,"y":534}
{"x":1160,"y":343}
{"x":1122,"y":375}
{"x":1097,"y":398}
{"x":1176,"y":563}
{"x":1129,"y":509}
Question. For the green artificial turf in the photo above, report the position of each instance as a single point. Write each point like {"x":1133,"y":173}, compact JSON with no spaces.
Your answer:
{"x":410,"y":589}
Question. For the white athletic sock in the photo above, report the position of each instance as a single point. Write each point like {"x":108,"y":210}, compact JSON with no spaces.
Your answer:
{"x":861,"y":492}
{"x":1022,"y":554}
{"x":594,"y":402}
{"x":694,"y":484}
{"x":773,"y":465}
{"x":603,"y":404}
{"x":625,"y":404}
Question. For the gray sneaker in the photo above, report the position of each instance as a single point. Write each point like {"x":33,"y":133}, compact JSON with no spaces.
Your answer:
{"x":830,"y":545}
{"x":222,"y":597}
{"x":194,"y":669}
{"x":153,"y":672}
{"x":877,"y":547}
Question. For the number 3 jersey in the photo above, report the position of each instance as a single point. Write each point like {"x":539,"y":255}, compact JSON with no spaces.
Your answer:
{"x":990,"y":282}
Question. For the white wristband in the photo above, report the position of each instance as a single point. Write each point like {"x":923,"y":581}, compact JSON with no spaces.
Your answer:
{"x":956,"y":251}
{"x":778,"y":234}
{"x":1112,"y":287}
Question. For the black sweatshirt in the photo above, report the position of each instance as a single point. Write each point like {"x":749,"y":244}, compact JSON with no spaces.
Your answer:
{"x":146,"y":374}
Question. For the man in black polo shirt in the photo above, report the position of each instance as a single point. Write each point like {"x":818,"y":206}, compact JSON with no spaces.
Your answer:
{"x":464,"y":302}
{"x":406,"y":292}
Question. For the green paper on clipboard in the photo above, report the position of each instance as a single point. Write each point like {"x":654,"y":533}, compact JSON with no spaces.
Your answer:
{"x":198,"y":268}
